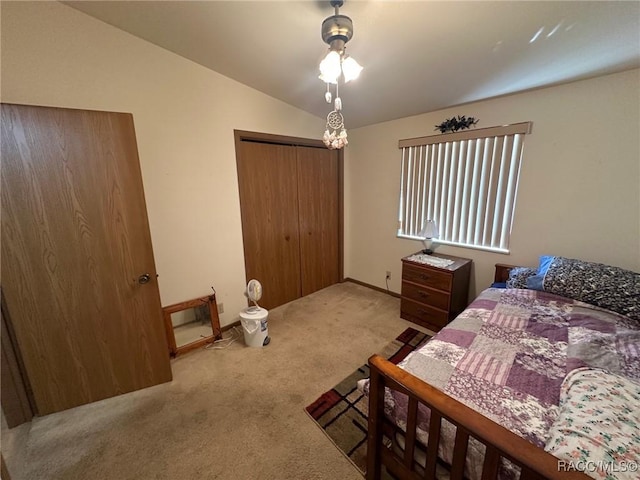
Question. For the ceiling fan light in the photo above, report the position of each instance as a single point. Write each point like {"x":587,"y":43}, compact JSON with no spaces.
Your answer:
{"x":327,"y":80}
{"x":350,"y":69}
{"x":336,"y":31}
{"x":330,"y":67}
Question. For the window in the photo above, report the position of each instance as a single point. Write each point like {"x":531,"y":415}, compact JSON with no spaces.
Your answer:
{"x":465,"y":181}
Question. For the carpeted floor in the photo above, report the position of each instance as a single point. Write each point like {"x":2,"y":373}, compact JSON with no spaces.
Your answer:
{"x":228,"y":414}
{"x":342,"y":411}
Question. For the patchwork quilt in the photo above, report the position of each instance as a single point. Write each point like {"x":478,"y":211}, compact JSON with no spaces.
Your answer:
{"x":598,"y":429}
{"x":506,"y":356}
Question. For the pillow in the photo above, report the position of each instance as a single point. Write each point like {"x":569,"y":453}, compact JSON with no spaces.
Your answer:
{"x":518,"y":277}
{"x":545,"y":263}
{"x":534,"y":282}
{"x":597,"y":426}
{"x":604,"y":286}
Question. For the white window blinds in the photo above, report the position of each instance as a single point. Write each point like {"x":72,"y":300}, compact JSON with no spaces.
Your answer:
{"x":466,"y":182}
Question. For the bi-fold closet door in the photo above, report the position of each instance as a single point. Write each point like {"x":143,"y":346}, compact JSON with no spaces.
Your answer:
{"x":291,"y":221}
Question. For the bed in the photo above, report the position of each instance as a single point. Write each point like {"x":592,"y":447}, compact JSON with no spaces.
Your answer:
{"x":500,"y":392}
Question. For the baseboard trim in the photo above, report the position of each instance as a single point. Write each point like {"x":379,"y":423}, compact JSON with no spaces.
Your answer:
{"x":230,"y":326}
{"x":373,"y":287}
{"x":348,"y":279}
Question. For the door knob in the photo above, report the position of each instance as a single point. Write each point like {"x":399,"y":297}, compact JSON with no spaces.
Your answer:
{"x":144,"y":278}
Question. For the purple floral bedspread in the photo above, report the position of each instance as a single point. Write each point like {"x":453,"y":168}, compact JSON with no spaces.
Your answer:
{"x":506,"y":356}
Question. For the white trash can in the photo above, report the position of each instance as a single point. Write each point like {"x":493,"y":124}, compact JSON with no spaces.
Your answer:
{"x":254,"y":326}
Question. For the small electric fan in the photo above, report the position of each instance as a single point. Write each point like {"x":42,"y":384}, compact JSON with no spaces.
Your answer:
{"x":254,"y":293}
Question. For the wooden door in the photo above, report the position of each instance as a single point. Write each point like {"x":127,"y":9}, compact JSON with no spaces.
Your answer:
{"x":16,"y":404}
{"x":318,"y":207}
{"x":268,"y":187}
{"x":75,"y":241}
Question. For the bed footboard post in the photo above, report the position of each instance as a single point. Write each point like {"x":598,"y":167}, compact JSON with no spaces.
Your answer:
{"x":376,"y":417}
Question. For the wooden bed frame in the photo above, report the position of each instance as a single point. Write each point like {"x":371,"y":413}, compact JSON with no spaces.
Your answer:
{"x":535,"y":463}
{"x":501,"y":274}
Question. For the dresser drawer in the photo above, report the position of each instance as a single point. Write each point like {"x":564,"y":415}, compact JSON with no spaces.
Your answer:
{"x":423,"y":314}
{"x":428,"y":277}
{"x":419,"y":293}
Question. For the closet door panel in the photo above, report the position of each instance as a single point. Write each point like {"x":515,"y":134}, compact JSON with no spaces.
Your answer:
{"x":318,"y":204}
{"x":268,"y":187}
{"x":75,"y":239}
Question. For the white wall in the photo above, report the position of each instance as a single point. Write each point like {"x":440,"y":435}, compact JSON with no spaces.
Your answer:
{"x":579,"y":193}
{"x":580,"y":183}
{"x":184,"y":116}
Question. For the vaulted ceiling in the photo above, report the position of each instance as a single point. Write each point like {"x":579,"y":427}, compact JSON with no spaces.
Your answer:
{"x":418,"y":56}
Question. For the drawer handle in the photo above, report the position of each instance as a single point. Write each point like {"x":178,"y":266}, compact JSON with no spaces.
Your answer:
{"x":423,"y":294}
{"x":423,"y":312}
{"x":424,"y":277}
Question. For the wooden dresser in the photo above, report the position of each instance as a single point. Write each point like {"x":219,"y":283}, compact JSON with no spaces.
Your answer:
{"x":433,"y":296}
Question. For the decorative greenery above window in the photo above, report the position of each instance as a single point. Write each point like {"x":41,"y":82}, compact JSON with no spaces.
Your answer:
{"x":466,"y":181}
{"x":454,"y":124}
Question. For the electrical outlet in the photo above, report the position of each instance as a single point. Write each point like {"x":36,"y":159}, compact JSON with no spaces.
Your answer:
{"x":221,"y":308}
{"x":388,"y":275}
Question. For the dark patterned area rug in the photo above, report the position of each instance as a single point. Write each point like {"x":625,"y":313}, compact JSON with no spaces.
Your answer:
{"x":342,"y":411}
